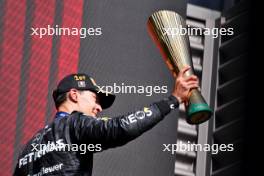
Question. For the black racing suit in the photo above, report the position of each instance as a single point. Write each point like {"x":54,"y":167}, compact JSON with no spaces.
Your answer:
{"x":56,"y":149}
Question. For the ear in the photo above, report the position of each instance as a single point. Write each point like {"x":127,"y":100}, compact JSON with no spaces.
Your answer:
{"x":73,"y":95}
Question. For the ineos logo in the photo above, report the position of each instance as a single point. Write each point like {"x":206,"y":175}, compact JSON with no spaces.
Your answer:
{"x":139,"y":115}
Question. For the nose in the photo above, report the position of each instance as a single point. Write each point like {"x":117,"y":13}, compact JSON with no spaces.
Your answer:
{"x":98,"y":108}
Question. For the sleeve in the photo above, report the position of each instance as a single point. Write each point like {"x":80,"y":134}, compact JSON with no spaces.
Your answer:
{"x":120,"y":130}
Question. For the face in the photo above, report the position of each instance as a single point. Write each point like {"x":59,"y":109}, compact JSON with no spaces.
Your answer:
{"x":88,"y":103}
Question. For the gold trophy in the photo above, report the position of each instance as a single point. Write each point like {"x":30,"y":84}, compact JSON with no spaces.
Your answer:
{"x":175,"y":49}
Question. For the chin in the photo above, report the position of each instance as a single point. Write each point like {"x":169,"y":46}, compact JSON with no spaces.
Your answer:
{"x":93,"y":115}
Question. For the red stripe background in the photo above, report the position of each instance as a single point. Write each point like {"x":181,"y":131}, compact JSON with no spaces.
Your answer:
{"x":39,"y":70}
{"x":12,"y":51}
{"x":69,"y":48}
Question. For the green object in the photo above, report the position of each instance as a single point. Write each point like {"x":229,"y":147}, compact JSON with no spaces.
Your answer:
{"x":198,"y":113}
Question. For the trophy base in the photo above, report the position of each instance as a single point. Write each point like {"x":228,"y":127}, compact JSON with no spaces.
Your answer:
{"x":198,"y":113}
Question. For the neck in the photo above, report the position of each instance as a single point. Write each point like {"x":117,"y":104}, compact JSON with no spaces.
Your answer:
{"x":65,"y":108}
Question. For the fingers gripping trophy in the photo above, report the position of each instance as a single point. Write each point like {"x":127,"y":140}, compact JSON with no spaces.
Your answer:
{"x":175,"y":50}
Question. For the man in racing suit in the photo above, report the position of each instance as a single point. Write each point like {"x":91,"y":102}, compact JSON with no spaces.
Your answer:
{"x":78,"y":100}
